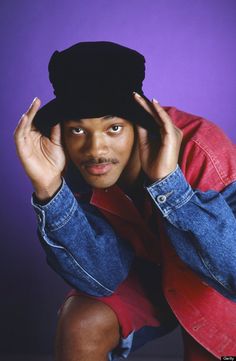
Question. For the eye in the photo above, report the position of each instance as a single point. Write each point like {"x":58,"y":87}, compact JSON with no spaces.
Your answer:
{"x":115,"y":128}
{"x":77,"y":131}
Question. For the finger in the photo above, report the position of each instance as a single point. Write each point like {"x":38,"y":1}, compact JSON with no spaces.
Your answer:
{"x":31,"y":112}
{"x":25,"y":122}
{"x":163,"y":115}
{"x":148,"y":106}
{"x":143,"y":102}
{"x":142,"y":135}
{"x":20,"y":126}
{"x":168,"y":125}
{"x":33,"y":108}
{"x":56,"y":134}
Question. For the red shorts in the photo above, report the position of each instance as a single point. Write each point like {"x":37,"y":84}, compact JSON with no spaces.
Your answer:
{"x":144,"y":316}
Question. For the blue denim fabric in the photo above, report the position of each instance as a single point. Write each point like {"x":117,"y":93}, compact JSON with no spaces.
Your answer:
{"x":83,"y":248}
{"x":79,"y":242}
{"x":201,"y":227}
{"x":137,"y":339}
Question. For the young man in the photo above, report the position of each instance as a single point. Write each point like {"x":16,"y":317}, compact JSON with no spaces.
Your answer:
{"x":136,"y":209}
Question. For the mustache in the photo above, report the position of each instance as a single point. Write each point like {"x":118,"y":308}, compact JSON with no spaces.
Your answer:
{"x":100,"y":160}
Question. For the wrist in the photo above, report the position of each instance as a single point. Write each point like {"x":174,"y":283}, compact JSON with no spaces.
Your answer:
{"x":162,"y":176}
{"x":45,"y":192}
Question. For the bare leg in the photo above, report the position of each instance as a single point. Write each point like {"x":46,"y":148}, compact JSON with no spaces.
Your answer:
{"x":87,"y":331}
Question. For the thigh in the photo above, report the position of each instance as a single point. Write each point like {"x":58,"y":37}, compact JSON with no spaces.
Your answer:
{"x":140,"y":308}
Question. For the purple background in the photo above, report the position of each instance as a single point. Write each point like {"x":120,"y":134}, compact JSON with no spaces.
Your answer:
{"x":190,"y":51}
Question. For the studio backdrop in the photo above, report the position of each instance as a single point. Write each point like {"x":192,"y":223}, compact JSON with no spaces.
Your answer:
{"x":190,"y":52}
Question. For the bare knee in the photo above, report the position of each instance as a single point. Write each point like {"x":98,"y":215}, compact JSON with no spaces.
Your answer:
{"x":87,"y":329}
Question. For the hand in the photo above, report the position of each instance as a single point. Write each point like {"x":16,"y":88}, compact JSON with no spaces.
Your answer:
{"x":158,"y":159}
{"x":43,"y":159}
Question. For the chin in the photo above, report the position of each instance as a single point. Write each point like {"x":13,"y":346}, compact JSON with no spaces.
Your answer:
{"x":100,"y":182}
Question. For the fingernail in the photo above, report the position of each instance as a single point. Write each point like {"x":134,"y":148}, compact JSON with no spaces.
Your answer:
{"x":155,"y":101}
{"x":137,"y":95}
{"x":33,"y":101}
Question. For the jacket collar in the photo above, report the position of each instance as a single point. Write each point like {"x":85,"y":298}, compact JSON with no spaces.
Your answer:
{"x":112,"y":199}
{"x":115,"y":201}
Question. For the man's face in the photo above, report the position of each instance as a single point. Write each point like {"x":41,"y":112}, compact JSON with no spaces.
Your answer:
{"x":103,"y":149}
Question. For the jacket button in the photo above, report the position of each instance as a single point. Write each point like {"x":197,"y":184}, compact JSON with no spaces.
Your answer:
{"x":161,"y":198}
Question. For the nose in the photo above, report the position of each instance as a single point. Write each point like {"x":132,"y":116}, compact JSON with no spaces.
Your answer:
{"x":96,"y":146}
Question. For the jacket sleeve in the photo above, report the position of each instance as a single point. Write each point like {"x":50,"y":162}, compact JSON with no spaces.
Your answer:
{"x":80,"y":245}
{"x":201,"y":227}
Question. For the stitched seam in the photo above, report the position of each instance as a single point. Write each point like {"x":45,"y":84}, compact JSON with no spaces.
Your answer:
{"x":87,"y":274}
{"x":63,"y":223}
{"x":82,"y":269}
{"x":212,"y":274}
{"x":48,"y":241}
{"x":205,"y":150}
{"x":170,"y":209}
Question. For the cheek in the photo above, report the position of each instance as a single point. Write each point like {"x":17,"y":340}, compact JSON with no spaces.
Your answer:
{"x":127,"y":141}
{"x":72,"y":148}
{"x":125,"y":144}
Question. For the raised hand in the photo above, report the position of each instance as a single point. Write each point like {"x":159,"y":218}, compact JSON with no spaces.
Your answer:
{"x":42,"y":158}
{"x":158,"y":159}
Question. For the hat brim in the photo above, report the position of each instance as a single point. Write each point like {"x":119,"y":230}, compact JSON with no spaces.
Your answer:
{"x":54,"y":112}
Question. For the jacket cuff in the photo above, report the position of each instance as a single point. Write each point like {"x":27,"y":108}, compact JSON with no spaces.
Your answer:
{"x":56,"y":213}
{"x":170,"y":193}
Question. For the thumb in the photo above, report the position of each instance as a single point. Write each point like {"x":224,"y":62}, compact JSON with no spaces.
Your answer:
{"x":56,"y":134}
{"x":142,"y":136}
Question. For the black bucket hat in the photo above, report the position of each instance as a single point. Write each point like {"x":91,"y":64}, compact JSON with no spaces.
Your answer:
{"x":95,"y":79}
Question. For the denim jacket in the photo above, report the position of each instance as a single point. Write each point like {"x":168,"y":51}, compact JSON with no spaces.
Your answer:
{"x":201,"y":224}
{"x":84,"y":249}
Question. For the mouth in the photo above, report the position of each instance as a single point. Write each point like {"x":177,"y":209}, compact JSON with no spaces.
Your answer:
{"x":98,"y":169}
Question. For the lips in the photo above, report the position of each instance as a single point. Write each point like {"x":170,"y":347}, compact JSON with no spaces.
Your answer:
{"x":99,"y":169}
